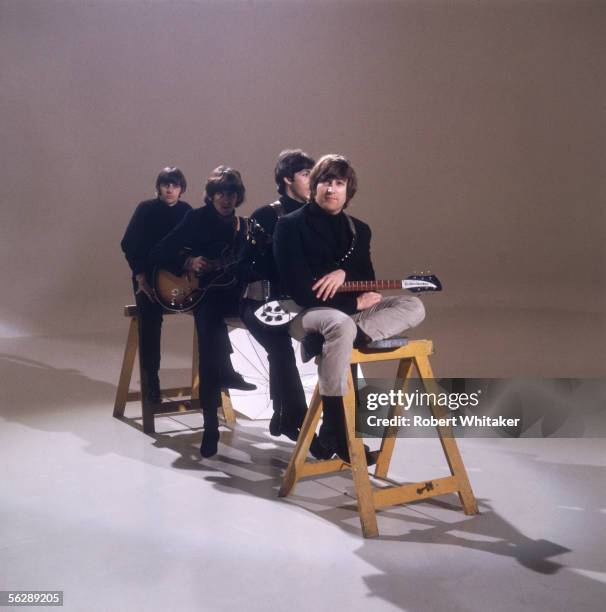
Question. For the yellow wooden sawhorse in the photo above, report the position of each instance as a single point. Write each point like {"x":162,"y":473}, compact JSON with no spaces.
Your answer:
{"x":416,"y":353}
{"x":148,"y":409}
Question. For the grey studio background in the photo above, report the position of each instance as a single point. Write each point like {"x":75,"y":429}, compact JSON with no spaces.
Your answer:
{"x":478,"y":131}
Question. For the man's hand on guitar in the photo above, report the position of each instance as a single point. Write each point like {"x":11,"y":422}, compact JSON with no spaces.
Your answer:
{"x":368,"y":299}
{"x":327,"y":286}
{"x":196,"y":264}
{"x":143,"y":287}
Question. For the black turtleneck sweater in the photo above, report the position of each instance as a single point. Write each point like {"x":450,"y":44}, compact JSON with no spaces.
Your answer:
{"x":151,"y":221}
{"x":203,"y":231}
{"x":310,"y":243}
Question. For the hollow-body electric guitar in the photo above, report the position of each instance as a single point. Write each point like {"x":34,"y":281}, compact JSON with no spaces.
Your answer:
{"x":182,"y":293}
{"x":280,"y":312}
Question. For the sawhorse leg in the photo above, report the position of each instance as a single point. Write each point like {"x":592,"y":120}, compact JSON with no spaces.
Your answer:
{"x":449,"y":444}
{"x":294,"y":471}
{"x":128,"y":362}
{"x":359,"y":467}
{"x":389,"y":435}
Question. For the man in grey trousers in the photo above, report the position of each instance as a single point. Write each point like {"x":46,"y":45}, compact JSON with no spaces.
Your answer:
{"x":318,"y":248}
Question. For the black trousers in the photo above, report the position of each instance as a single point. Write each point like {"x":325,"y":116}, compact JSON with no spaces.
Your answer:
{"x":214,"y":346}
{"x":285,"y":388}
{"x":150,"y":329}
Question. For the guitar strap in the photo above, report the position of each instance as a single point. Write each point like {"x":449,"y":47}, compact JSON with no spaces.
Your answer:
{"x":354,"y":236}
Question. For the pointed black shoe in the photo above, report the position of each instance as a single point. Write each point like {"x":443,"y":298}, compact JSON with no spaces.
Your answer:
{"x":371,"y":456}
{"x":236,"y":381}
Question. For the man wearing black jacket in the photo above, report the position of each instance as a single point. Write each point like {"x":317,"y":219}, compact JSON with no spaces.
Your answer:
{"x":151,"y":221}
{"x":318,"y":248}
{"x":286,"y":391}
{"x":208,"y":233}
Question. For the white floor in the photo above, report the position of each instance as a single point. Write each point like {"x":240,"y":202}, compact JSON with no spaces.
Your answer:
{"x":120,"y":520}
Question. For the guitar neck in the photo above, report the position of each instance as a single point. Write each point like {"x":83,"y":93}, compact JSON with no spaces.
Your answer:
{"x":380,"y":285}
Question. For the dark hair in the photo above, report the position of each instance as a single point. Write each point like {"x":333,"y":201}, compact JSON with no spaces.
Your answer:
{"x":291,"y":161}
{"x":173,"y":175}
{"x":224,"y":180}
{"x":333,"y":166}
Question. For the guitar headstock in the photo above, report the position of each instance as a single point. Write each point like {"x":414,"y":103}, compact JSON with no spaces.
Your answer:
{"x":418,"y":283}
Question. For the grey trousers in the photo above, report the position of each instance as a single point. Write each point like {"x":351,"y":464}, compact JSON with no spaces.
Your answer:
{"x":390,"y":317}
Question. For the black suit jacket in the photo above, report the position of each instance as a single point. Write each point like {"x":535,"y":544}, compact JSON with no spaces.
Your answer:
{"x":305,"y":249}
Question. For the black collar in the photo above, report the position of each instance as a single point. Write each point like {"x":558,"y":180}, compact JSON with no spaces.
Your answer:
{"x":290,"y":204}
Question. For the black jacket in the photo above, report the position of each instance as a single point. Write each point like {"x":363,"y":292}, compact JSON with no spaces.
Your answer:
{"x":310,"y":243}
{"x":263,"y":266}
{"x":150,"y":222}
{"x":201,"y":232}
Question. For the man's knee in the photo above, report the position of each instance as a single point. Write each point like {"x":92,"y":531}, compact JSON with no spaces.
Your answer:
{"x":410,"y":309}
{"x":331,"y":323}
{"x":340,"y":327}
{"x":417,"y":311}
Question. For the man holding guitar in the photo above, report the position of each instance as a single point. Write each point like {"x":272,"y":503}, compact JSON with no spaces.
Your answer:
{"x":286,"y":391}
{"x":207,"y":235}
{"x":151,"y":221}
{"x":317,"y":249}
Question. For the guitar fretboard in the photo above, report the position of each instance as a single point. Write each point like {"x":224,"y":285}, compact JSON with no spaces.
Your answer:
{"x":369,"y":285}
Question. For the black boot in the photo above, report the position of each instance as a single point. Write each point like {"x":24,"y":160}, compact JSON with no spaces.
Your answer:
{"x":329,"y":430}
{"x":279,"y":425}
{"x":275,"y":424}
{"x":319,"y":451}
{"x":335,"y":431}
{"x":210,"y":437}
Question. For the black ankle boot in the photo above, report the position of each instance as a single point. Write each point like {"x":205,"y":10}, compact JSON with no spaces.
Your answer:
{"x":319,"y":451}
{"x":275,"y":424}
{"x":210,"y":443}
{"x":336,"y":432}
{"x":210,"y":437}
{"x":329,"y":430}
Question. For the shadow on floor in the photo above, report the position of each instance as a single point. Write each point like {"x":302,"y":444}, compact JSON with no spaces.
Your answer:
{"x":52,"y":399}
